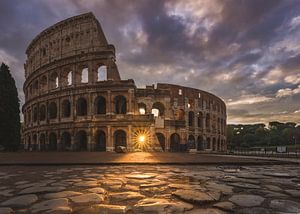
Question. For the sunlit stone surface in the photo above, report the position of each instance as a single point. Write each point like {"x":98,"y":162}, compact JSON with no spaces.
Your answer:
{"x":150,"y":189}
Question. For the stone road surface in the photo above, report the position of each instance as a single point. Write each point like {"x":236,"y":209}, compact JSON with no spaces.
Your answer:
{"x":150,"y":189}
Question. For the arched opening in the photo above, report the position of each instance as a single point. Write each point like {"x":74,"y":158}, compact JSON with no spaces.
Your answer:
{"x":35,"y":114}
{"x":158,"y":109}
{"x":200,"y":120}
{"x":81,"y":141}
{"x":191,"y":118}
{"x":85,"y":75}
{"x":200,"y":143}
{"x":214,"y":146}
{"x":42,"y":142}
{"x":66,"y":144}
{"x":120,"y":105}
{"x":142,"y":108}
{"x":120,"y":138}
{"x":101,"y":141}
{"x":29,"y":116}
{"x":81,"y":107}
{"x":100,"y":104}
{"x":102,"y":73}
{"x":52,"y":109}
{"x":52,"y":142}
{"x":207,"y":121}
{"x":29,"y":143}
{"x":218,"y":145}
{"x":70,"y":78}
{"x":42,"y":112}
{"x":35,"y":143}
{"x":208,"y":146}
{"x":174,"y":142}
{"x":161,"y":139}
{"x":180,"y":115}
{"x":36,"y":87}
{"x":43,"y":83}
{"x":66,"y":108}
{"x":54,"y":80}
{"x":191,"y":142}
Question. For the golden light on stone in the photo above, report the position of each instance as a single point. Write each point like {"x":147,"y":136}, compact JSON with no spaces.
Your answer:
{"x":141,"y":139}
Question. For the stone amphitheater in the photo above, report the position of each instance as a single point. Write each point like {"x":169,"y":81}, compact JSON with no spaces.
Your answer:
{"x":75,"y":100}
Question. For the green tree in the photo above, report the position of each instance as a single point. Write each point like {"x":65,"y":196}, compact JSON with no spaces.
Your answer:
{"x":10,"y":125}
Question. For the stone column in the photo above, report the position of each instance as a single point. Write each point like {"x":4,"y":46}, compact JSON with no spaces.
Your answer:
{"x":109,"y":103}
{"x":130,"y":98}
{"x":129,"y":139}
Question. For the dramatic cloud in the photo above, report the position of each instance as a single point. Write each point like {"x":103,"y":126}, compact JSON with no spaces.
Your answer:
{"x":245,"y":51}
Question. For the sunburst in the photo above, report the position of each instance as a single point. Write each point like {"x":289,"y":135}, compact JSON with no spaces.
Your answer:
{"x":141,"y":139}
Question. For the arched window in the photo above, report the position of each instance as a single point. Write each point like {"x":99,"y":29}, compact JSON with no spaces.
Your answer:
{"x":52,"y":142}
{"x":200,"y":120}
{"x":85,"y":75}
{"x":81,"y":107}
{"x":52,"y":109}
{"x":35,"y":143}
{"x":42,"y":112}
{"x":120,"y":138}
{"x":180,"y":114}
{"x":191,"y":118}
{"x":100,"y":105}
{"x":214,"y":144}
{"x":66,"y":108}
{"x":35,"y":114}
{"x":191,"y":142}
{"x":208,"y":146}
{"x":101,"y":141}
{"x":158,"y":109}
{"x":81,"y":141}
{"x":175,"y":142}
{"x":207,"y":121}
{"x":43,"y":83}
{"x":142,"y":108}
{"x":54,"y":80}
{"x":102,"y":73}
{"x":42,"y":142}
{"x":120,"y":105}
{"x":200,"y":144}
{"x":29,"y":116}
{"x":36,"y":87}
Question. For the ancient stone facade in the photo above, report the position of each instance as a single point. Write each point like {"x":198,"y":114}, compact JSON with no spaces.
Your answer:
{"x":76,"y":100}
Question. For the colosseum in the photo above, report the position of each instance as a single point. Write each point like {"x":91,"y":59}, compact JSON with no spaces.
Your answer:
{"x":76,"y":100}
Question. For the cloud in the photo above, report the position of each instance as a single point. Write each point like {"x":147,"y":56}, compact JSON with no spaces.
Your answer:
{"x":249,"y":100}
{"x":288,"y":92}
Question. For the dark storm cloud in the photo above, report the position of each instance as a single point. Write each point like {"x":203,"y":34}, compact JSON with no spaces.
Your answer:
{"x":242,"y":50}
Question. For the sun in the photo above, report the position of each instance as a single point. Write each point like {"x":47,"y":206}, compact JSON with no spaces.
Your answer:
{"x":141,"y":139}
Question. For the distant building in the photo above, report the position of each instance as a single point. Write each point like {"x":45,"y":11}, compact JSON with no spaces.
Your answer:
{"x":76,"y":100}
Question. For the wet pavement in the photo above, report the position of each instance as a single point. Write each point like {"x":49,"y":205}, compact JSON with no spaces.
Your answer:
{"x":150,"y":189}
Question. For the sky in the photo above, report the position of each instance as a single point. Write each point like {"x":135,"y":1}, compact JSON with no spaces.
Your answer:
{"x":245,"y":51}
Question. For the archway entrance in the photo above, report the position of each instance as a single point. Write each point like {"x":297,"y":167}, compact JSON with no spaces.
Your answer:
{"x":101,"y":141}
{"x":81,"y":141}
{"x":66,"y":141}
{"x":120,"y":138}
{"x":175,"y":143}
{"x":161,"y":139}
{"x":200,"y":144}
{"x":52,"y":142}
{"x":191,"y":142}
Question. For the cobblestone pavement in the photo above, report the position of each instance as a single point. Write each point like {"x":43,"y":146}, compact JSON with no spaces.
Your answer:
{"x":150,"y":189}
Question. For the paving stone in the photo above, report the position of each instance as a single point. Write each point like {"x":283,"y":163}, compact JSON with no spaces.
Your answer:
{"x":274,"y":188}
{"x":60,"y":210}
{"x":293,"y":192}
{"x":123,"y":196}
{"x":255,"y":210}
{"x":64,"y":194}
{"x":6,"y":210}
{"x":86,"y":184}
{"x":279,"y":174}
{"x":193,"y":196}
{"x":132,"y":188}
{"x":226,"y":205}
{"x":141,"y":176}
{"x":105,"y":208}
{"x":6,"y":193}
{"x":97,"y":190}
{"x":153,"y":184}
{"x":40,"y":189}
{"x":50,"y":205}
{"x":225,"y":189}
{"x":244,"y":185}
{"x":205,"y":211}
{"x":247,"y":200}
{"x":285,"y":206}
{"x":20,"y":201}
{"x":160,"y":205}
{"x":87,"y":198}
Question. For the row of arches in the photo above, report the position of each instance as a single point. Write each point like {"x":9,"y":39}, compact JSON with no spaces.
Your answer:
{"x":80,"y":141}
{"x":40,"y":111}
{"x":65,"y":78}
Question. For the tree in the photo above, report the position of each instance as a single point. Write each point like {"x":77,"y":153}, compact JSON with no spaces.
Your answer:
{"x":10,"y":125}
